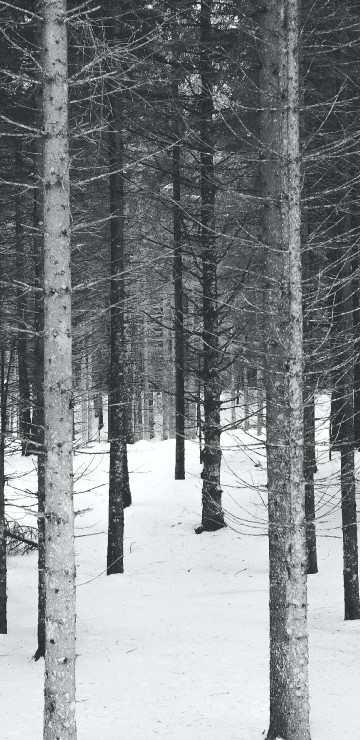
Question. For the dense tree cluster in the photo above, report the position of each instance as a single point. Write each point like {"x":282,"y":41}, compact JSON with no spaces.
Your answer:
{"x":179,"y":224}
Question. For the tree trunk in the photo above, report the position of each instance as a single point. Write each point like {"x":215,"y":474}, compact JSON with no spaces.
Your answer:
{"x":342,"y":419}
{"x":166,"y":393}
{"x":59,"y":714}
{"x":3,"y":566}
{"x":178,"y":308}
{"x":178,"y":325}
{"x":356,"y":329}
{"x":212,"y":512}
{"x":119,"y":487}
{"x":146,"y":385}
{"x":38,"y":424}
{"x":24,"y":385}
{"x":280,"y":177}
{"x":38,"y":427}
{"x":309,"y":470}
{"x":246,"y":398}
{"x":259,"y":401}
{"x":309,"y":407}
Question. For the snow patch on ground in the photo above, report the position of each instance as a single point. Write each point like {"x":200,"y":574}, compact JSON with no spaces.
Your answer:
{"x":178,"y":646}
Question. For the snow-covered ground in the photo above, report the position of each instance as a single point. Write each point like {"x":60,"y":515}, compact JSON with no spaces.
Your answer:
{"x":178,"y":646}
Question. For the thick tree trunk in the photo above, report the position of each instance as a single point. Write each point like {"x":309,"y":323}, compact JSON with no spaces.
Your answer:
{"x":212,"y":512}
{"x":59,"y":714}
{"x":119,"y":487}
{"x":280,"y":171}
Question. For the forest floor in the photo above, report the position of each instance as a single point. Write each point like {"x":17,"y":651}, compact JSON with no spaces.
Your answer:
{"x":177,"y":646}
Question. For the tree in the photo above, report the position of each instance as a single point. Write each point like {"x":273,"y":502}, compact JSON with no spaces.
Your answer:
{"x":281,"y":235}
{"x":4,"y":384}
{"x":119,"y":488}
{"x":212,"y":513}
{"x":59,"y":712}
{"x":22,"y":314}
{"x":178,"y":283}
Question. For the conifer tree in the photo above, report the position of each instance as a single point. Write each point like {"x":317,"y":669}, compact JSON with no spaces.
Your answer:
{"x":59,"y":692}
{"x":281,"y":235}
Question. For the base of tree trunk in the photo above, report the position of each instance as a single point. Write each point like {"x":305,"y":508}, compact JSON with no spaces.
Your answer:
{"x":3,"y":615}
{"x":40,"y":653}
{"x":311,"y":550}
{"x":210,"y":527}
{"x":274,"y":735}
{"x":115,"y":566}
{"x":352,"y":604}
{"x":312,"y":568}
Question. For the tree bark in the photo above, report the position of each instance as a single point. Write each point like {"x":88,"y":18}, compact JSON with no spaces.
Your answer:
{"x":119,"y":487}
{"x":309,"y":470}
{"x":178,"y":325}
{"x":3,"y":564}
{"x":212,"y":512}
{"x":246,"y":398}
{"x":309,"y":410}
{"x":178,"y":302}
{"x":259,"y":401}
{"x":342,"y":333}
{"x":38,"y":423}
{"x":356,"y":329}
{"x":24,"y":385}
{"x":59,"y":692}
{"x":342,"y":419}
{"x":280,"y":177}
{"x":146,"y":385}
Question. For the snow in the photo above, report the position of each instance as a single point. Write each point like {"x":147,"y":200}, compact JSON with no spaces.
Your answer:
{"x":178,"y":646}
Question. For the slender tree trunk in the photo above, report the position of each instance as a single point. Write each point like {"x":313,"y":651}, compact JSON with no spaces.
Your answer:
{"x":24,"y":385}
{"x":3,"y":565}
{"x":309,"y":412}
{"x":38,"y":424}
{"x":246,"y":398}
{"x":84,"y":394}
{"x":341,"y":257}
{"x":212,"y":512}
{"x":59,"y":714}
{"x":178,"y":322}
{"x":356,"y":326}
{"x":146,"y":385}
{"x":342,"y":421}
{"x":119,"y":487}
{"x":259,"y":401}
{"x":178,"y":301}
{"x":309,"y":470}
{"x":166,"y":394}
{"x":280,"y":170}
